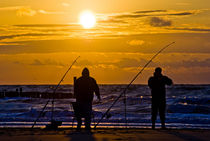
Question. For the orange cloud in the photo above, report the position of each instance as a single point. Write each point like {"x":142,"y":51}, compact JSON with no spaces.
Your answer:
{"x":26,"y":11}
{"x":136,"y":42}
{"x":65,"y":4}
{"x":10,"y":8}
{"x":49,"y":12}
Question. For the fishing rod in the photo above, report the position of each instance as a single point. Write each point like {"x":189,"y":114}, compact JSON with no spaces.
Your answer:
{"x":54,"y":95}
{"x":124,"y":92}
{"x":59,"y":85}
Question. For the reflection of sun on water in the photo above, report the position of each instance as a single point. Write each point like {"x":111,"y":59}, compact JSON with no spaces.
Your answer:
{"x":87,"y":19}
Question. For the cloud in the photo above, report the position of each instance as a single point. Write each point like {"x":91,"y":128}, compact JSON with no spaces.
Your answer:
{"x":44,"y":25}
{"x":140,"y":14}
{"x":191,"y":29}
{"x":85,"y":63}
{"x":12,"y":8}
{"x":53,"y":62}
{"x":121,"y":63}
{"x":136,"y":42}
{"x":189,"y":63}
{"x":183,"y":4}
{"x":65,"y":4}
{"x":37,"y":62}
{"x":182,"y":13}
{"x":111,"y":20}
{"x":26,"y":35}
{"x":130,"y":16}
{"x":18,"y":62}
{"x":199,"y":43}
{"x":196,"y":63}
{"x":49,"y":12}
{"x":25,"y":11}
{"x":159,"y":22}
{"x":150,"y":11}
{"x":129,"y":63}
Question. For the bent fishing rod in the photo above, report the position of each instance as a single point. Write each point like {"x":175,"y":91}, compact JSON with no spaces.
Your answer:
{"x":124,"y":91}
{"x":54,"y":94}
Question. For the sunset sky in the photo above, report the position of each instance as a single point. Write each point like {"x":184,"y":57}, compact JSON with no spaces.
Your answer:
{"x":39,"y":39}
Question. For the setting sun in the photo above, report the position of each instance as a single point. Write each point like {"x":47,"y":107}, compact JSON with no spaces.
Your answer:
{"x":87,"y":19}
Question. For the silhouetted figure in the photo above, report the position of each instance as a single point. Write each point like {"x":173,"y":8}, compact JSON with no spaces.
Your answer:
{"x":84,"y":88}
{"x":157,"y":84}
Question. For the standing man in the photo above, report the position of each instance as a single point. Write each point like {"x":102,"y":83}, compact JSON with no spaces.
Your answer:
{"x":157,"y":85}
{"x":84,"y":88}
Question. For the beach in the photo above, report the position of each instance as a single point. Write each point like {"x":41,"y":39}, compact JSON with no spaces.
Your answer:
{"x":103,"y":134}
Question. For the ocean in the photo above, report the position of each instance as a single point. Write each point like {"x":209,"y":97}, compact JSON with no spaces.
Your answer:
{"x":188,"y":106}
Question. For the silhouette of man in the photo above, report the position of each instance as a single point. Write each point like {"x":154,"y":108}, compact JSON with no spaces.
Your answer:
{"x":84,"y":88}
{"x":157,"y":85}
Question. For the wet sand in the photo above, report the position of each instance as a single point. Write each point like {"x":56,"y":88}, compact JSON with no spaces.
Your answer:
{"x":26,"y":134}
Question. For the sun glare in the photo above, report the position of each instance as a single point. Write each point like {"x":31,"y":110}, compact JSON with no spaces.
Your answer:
{"x":87,"y":19}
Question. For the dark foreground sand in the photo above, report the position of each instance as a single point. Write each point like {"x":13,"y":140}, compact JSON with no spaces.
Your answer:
{"x":24,"y":134}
